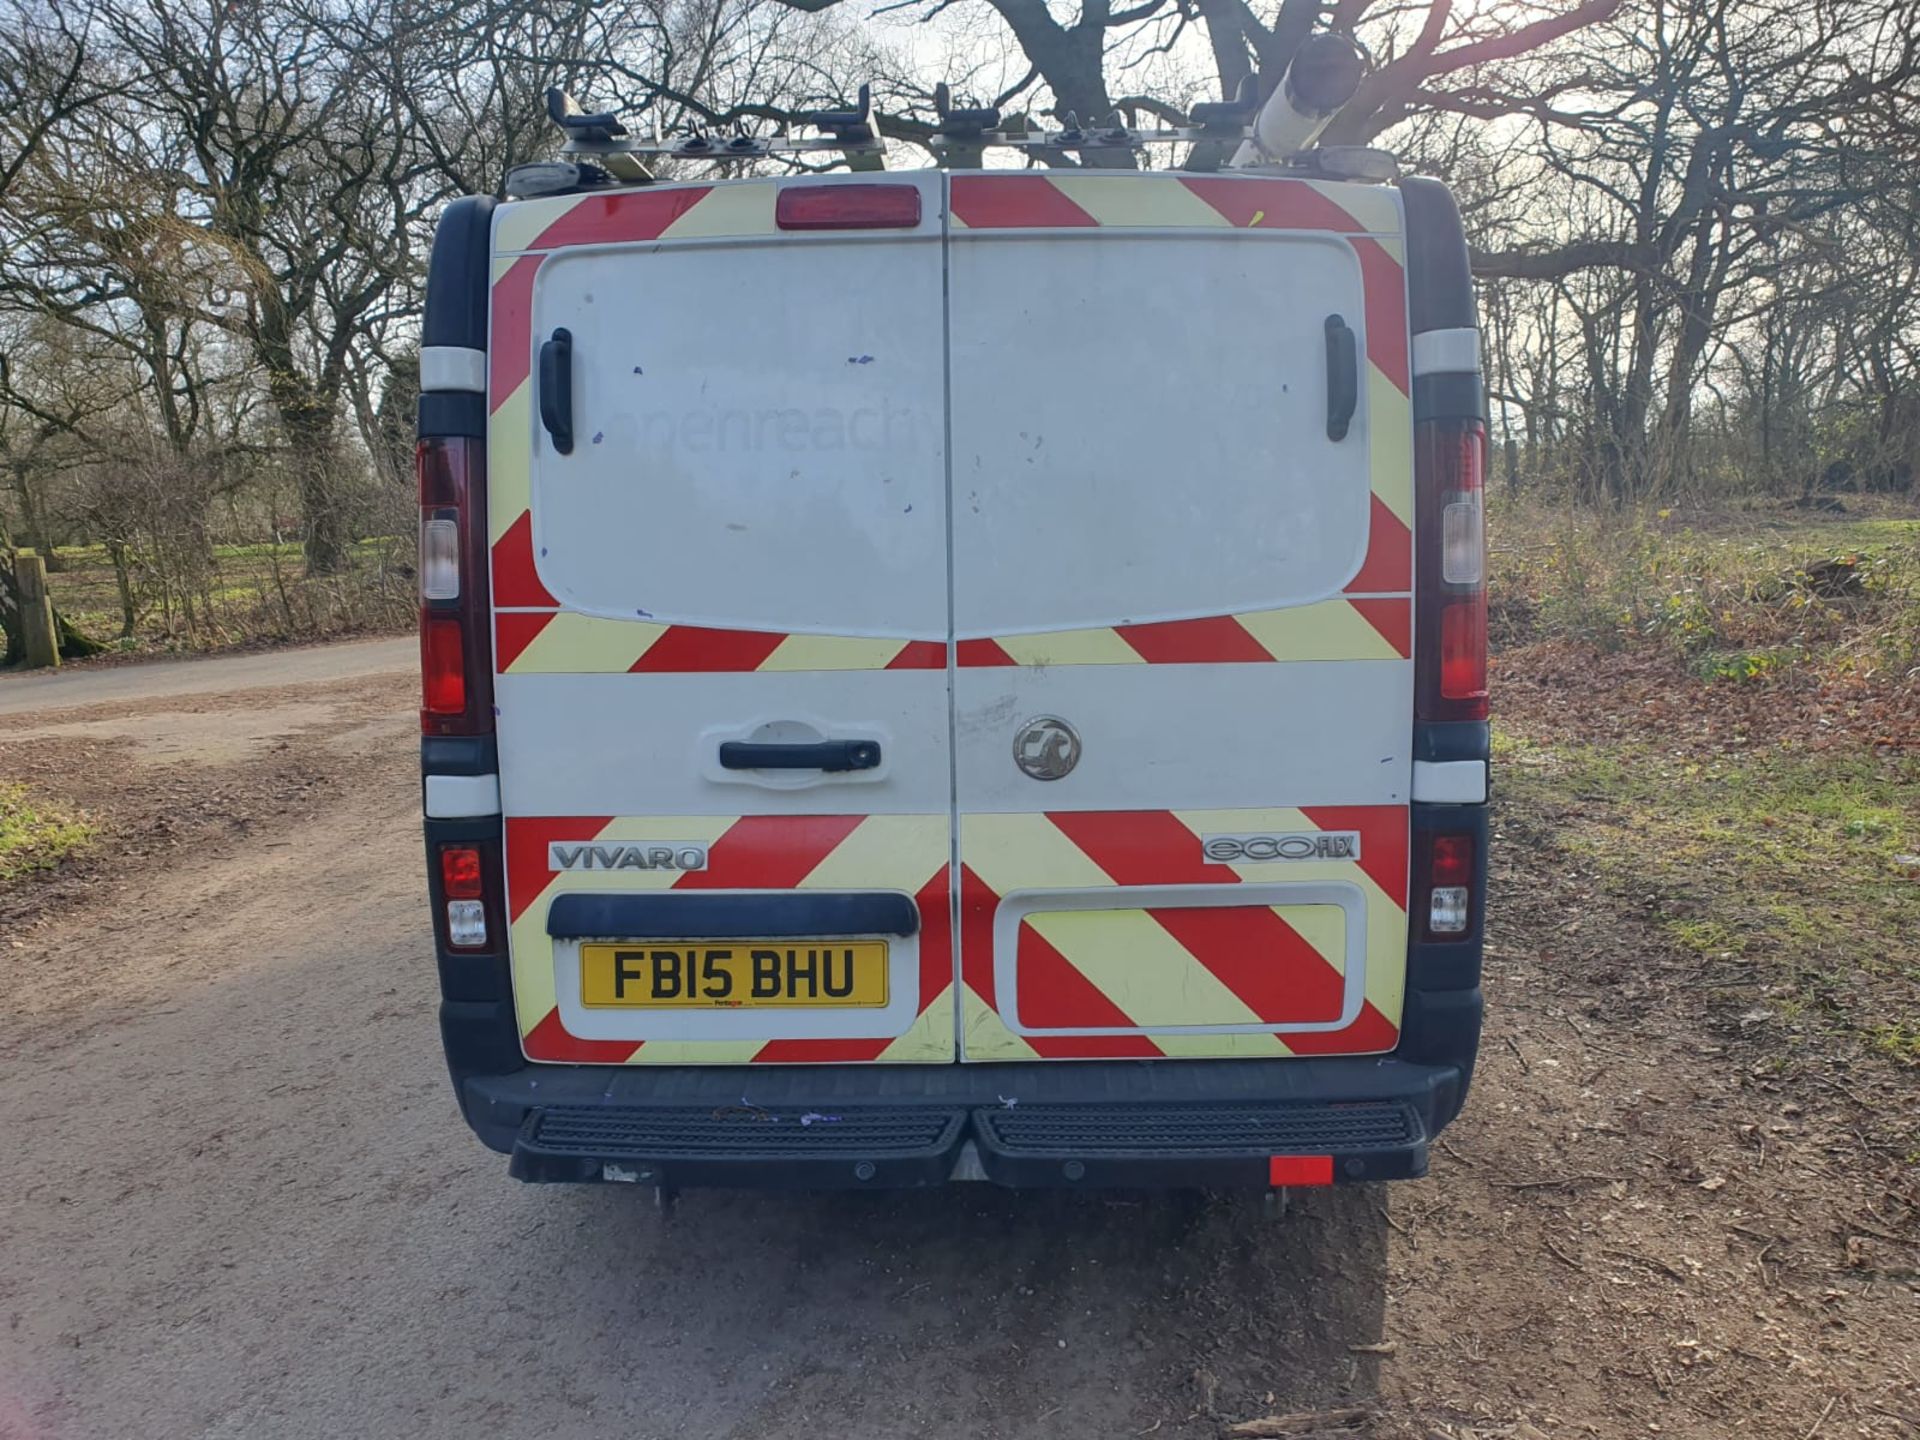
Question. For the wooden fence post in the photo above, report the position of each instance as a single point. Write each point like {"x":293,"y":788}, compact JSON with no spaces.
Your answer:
{"x":41,"y":640}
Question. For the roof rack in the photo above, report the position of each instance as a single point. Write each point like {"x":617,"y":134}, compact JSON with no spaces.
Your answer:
{"x":1253,"y":130}
{"x":603,"y":140}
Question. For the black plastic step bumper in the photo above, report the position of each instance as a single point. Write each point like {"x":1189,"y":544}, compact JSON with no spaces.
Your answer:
{"x":738,"y":1145}
{"x":1210,"y":1145}
{"x":1168,"y":1124}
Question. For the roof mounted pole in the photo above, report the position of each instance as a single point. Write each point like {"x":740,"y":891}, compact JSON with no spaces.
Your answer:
{"x":1325,"y":73}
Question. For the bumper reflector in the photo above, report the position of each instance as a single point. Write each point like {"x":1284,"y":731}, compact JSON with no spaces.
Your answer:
{"x":1300,"y":1170}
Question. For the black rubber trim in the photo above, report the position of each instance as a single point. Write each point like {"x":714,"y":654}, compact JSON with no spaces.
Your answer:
{"x":868,"y":1147}
{"x":459,"y":755}
{"x":457,"y":288}
{"x":1449,"y":395}
{"x":768,"y":1139}
{"x":480,"y":1039}
{"x":1439,"y":270}
{"x":1443,"y":1027}
{"x":1196,"y":1144}
{"x":496,"y":1102}
{"x":731,"y":917}
{"x":873,"y":1146}
{"x":1451,"y":740}
{"x":447,"y":414}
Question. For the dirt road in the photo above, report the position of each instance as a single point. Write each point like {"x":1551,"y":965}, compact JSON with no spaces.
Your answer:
{"x":239,"y":1201}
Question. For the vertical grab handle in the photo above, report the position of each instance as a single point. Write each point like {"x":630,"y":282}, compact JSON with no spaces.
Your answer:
{"x":1343,"y":377}
{"x":556,"y":389}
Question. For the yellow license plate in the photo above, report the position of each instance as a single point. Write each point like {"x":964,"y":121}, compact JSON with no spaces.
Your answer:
{"x":733,"y":975}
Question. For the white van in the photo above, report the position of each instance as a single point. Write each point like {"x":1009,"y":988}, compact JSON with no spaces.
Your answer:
{"x":956,"y":675}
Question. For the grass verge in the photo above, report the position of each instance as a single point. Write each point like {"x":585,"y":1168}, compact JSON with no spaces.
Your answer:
{"x":1736,"y":596}
{"x":1789,"y":879}
{"x":35,"y":835}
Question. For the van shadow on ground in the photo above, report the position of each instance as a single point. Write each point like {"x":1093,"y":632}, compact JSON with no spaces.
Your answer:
{"x":983,"y":1312}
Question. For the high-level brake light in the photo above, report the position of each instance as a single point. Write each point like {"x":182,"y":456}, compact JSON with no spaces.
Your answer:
{"x":847,"y":207}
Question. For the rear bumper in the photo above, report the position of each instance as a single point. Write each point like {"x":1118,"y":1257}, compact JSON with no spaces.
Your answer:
{"x":1090,"y":1124}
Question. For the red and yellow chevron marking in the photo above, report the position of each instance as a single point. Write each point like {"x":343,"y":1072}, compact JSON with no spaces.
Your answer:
{"x":562,"y":642}
{"x":1162,"y":966}
{"x":757,"y":852}
{"x":1371,"y":620}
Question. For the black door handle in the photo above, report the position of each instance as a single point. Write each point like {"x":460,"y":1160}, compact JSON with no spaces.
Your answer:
{"x":556,"y":389}
{"x":820,"y":755}
{"x":1343,"y":377}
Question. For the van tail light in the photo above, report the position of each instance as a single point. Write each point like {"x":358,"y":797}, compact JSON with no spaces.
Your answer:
{"x":1443,"y":888}
{"x":469,"y":895}
{"x":1450,"y":652}
{"x":456,"y":652}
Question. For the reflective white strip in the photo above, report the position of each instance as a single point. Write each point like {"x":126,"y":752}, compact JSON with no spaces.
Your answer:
{"x":453,"y":367}
{"x":1447,"y":352}
{"x":1450,"y":782}
{"x":454,"y":797}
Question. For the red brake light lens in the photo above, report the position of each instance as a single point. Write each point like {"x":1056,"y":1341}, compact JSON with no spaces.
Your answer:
{"x":443,"y":668}
{"x":460,"y":872}
{"x":1452,"y":860}
{"x":847,"y":207}
{"x":1463,"y":649}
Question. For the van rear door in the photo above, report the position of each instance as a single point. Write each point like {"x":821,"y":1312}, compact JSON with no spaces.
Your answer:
{"x":721,"y":623}
{"x":1182,"y":607}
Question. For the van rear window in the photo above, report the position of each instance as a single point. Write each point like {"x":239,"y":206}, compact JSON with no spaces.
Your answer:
{"x":1140,"y":431}
{"x":759,"y":436}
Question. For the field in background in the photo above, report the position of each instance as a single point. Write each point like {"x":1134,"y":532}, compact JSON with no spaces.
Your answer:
{"x":1713,"y":719}
{"x":248,"y":594}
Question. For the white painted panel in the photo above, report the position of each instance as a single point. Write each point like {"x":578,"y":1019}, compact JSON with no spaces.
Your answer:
{"x":759,"y":435}
{"x":648,"y":744}
{"x":1192,"y":737}
{"x":1139,"y":427}
{"x":451,"y":797}
{"x":1452,"y":782}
